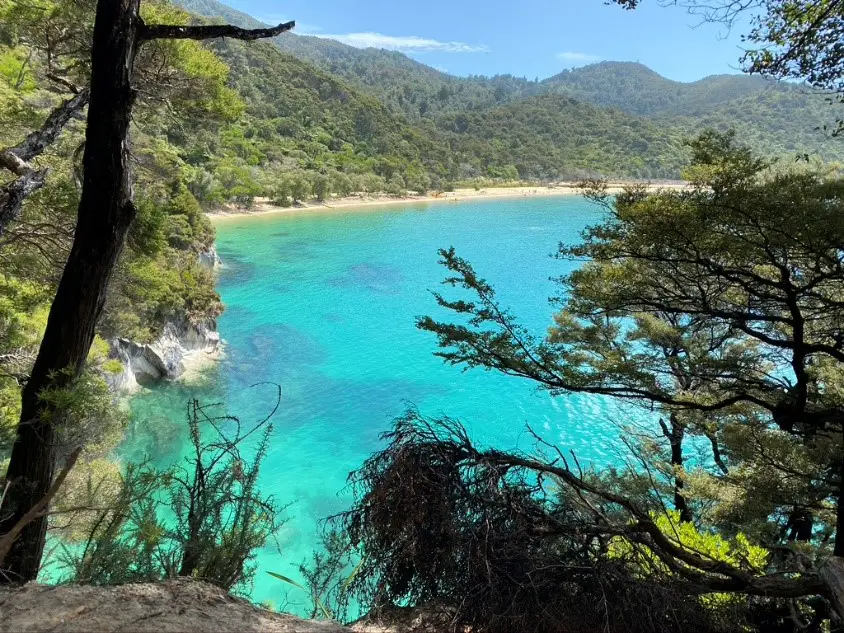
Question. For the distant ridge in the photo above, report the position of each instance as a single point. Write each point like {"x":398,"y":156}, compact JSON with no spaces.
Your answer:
{"x":637,"y":89}
{"x":467,"y":117}
{"x":214,"y":9}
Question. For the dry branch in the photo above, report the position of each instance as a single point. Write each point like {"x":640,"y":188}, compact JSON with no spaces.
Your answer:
{"x":17,"y":159}
{"x":209,"y":31}
{"x":37,"y":510}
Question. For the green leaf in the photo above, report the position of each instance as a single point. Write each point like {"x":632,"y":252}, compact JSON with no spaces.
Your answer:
{"x":325,"y":612}
{"x":285,"y":579}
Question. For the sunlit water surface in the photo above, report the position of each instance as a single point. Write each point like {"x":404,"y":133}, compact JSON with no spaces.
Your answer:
{"x":324,"y":304}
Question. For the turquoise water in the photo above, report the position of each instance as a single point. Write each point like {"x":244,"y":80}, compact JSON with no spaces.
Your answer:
{"x":324,"y":303}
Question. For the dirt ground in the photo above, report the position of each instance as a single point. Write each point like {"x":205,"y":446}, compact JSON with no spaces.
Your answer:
{"x":180,"y":605}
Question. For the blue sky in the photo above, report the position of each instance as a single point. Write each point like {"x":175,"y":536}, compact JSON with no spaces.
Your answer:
{"x":532,"y":38}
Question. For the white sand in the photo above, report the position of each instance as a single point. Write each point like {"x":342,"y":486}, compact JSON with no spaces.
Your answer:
{"x":362,"y":202}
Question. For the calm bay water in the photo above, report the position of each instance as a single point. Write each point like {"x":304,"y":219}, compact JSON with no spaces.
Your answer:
{"x":324,"y":305}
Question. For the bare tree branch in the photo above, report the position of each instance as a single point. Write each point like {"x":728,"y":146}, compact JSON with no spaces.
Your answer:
{"x":17,"y":159}
{"x":13,"y":194}
{"x":209,"y":31}
{"x":36,"y":142}
{"x":36,"y":511}
{"x":739,"y":579}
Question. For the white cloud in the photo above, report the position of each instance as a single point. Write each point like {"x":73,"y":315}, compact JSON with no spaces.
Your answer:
{"x":577,"y":59}
{"x":307,"y":29}
{"x":273,"y":18}
{"x":279,"y":18}
{"x":405,"y":44}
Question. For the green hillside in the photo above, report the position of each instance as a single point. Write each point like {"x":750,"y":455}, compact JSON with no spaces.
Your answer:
{"x":214,"y":9}
{"x":554,"y":136}
{"x":775,"y":118}
{"x":637,"y":89}
{"x":401,"y":83}
{"x":299,"y":116}
{"x":780,"y":123}
{"x":325,"y":105}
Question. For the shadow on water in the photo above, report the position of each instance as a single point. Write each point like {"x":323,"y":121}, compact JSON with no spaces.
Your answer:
{"x":236,"y":270}
{"x":294,"y":251}
{"x":273,"y":352}
{"x":377,"y":278}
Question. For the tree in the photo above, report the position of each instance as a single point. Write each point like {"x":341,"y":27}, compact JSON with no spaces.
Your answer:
{"x":321,"y":186}
{"x":396,"y":185}
{"x":341,"y":184}
{"x":54,"y":33}
{"x":417,"y":180}
{"x":55,"y":37}
{"x":105,"y":215}
{"x":501,"y":542}
{"x":718,"y":305}
{"x":17,"y":159}
{"x":299,"y":185}
{"x":280,"y":191}
{"x":371,"y":183}
{"x":220,"y":518}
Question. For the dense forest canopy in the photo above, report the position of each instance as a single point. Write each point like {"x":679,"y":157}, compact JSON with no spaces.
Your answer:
{"x":763,"y":112}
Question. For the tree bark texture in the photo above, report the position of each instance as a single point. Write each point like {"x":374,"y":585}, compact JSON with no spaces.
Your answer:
{"x":105,"y":215}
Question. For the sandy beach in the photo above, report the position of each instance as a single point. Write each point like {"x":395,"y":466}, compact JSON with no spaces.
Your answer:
{"x":263,"y":206}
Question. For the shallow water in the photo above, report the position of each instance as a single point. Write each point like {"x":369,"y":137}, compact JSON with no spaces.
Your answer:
{"x":324,"y":305}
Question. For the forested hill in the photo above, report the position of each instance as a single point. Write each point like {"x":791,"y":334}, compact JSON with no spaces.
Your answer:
{"x":776,"y":118}
{"x":553,"y":135}
{"x":454,"y":128}
{"x":637,"y":89}
{"x":403,"y":84}
{"x":299,"y":118}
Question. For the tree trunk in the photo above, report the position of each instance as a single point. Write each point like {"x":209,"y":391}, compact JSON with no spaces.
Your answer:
{"x":675,"y":437}
{"x":832,"y":573}
{"x":105,"y":215}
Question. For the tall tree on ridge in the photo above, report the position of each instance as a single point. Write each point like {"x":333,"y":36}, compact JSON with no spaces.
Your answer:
{"x":106,"y":213}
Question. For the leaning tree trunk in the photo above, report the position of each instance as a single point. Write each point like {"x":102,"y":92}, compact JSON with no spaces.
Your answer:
{"x":105,"y":215}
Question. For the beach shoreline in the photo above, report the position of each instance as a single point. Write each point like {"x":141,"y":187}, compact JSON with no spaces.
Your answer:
{"x":263,"y":207}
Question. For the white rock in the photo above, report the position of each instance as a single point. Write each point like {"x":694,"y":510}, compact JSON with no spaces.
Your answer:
{"x":180,"y":346}
{"x":210,"y":259}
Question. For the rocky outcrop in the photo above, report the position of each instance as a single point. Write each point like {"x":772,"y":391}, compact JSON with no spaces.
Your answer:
{"x":210,"y":259}
{"x":182,"y":346}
